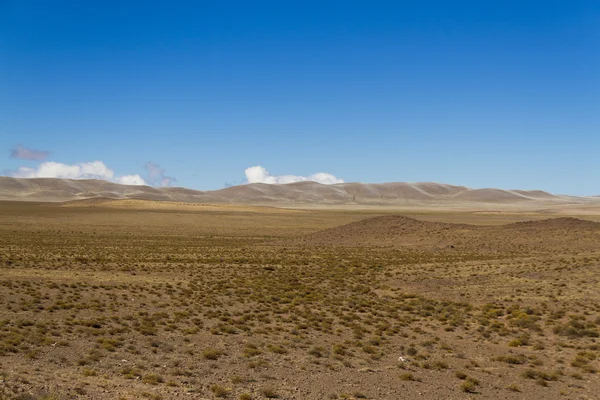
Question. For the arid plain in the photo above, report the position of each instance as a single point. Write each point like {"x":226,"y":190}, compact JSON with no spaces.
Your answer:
{"x":134,"y":299}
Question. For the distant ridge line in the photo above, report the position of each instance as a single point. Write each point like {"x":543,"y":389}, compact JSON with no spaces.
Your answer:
{"x":392,"y":193}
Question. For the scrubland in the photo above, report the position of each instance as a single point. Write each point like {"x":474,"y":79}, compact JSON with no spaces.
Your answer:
{"x":128,"y":303}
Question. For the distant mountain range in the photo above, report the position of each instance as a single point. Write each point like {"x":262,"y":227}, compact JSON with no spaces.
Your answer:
{"x":396,"y":193}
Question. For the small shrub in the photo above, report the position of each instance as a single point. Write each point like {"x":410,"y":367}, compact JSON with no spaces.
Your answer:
{"x":461,"y":375}
{"x":212,"y":354}
{"x":468,"y":386}
{"x":537,"y":374}
{"x":238,"y":379}
{"x":153,"y":379}
{"x":513,"y":387}
{"x":317,"y":352}
{"x":88,"y":372}
{"x":512,"y":359}
{"x":408,"y":377}
{"x":269,"y":393}
{"x":440,"y":365}
{"x":219,"y":391}
{"x":541,"y":382}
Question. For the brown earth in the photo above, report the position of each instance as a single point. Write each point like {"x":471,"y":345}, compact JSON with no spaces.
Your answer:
{"x":142,"y":300}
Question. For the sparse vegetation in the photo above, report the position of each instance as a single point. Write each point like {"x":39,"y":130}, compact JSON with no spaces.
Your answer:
{"x":236,"y":305}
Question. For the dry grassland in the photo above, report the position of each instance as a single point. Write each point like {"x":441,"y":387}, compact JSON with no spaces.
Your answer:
{"x":161,"y":302}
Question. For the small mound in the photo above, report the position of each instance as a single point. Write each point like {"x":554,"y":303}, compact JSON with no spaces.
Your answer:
{"x":397,"y":223}
{"x":389,"y":230}
{"x":550,"y":235}
{"x":556,"y":223}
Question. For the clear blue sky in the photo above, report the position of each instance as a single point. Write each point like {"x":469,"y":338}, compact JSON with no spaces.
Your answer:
{"x":478,"y":93}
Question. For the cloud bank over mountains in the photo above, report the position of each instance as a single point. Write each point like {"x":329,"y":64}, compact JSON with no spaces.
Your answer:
{"x":84,"y":170}
{"x":155,"y":175}
{"x":258,"y":174}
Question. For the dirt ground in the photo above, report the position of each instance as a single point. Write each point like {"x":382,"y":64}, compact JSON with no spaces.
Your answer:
{"x":142,"y":301}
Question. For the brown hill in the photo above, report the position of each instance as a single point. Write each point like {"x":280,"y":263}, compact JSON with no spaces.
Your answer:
{"x":555,"y":224}
{"x":551,"y":235}
{"x":293,"y":194}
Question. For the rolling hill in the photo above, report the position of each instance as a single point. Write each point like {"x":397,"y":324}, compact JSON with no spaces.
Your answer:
{"x":301,"y":193}
{"x":547,"y":236}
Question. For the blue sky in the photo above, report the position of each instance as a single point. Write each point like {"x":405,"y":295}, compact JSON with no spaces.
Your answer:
{"x":477,"y":93}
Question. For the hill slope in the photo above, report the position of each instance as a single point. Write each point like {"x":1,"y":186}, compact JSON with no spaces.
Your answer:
{"x":549,"y":235}
{"x":396,"y":193}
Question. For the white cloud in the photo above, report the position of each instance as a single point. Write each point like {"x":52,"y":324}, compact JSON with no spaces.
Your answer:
{"x":51,"y":169}
{"x":85,"y":170}
{"x":258,"y":174}
{"x":131,"y":180}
